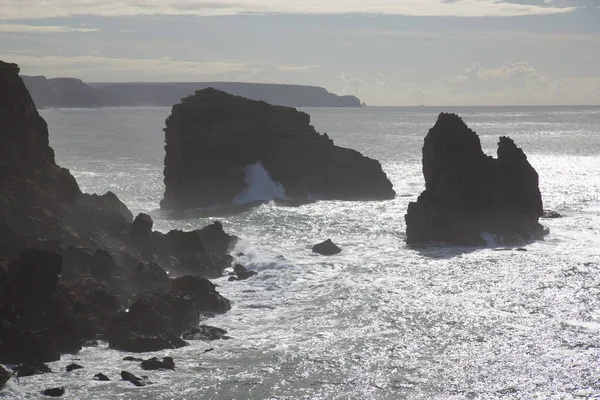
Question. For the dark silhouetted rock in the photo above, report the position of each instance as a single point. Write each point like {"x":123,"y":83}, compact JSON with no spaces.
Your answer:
{"x":141,"y":228}
{"x":155,"y":363}
{"x":73,"y":367}
{"x":205,"y":332}
{"x":31,"y":367}
{"x":468,"y":193}
{"x":213,"y":137}
{"x":154,"y":322}
{"x":551,"y":214}
{"x":129,"y":377}
{"x":205,"y":293}
{"x":4,"y":377}
{"x":129,"y":358}
{"x":149,"y":276}
{"x":101,"y":377}
{"x":326,"y":248}
{"x":240,"y":273}
{"x":54,"y":392}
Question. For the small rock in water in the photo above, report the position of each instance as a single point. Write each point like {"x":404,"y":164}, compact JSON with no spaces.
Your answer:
{"x":521,"y":249}
{"x":327,"y":248}
{"x":208,"y":350}
{"x":129,"y":358}
{"x":241,"y":273}
{"x":73,"y":367}
{"x":54,"y":392}
{"x":32,"y":367}
{"x":550,"y":214}
{"x":205,"y":332}
{"x":154,"y":363}
{"x":101,"y":377}
{"x":90,"y":343}
{"x":129,"y":377}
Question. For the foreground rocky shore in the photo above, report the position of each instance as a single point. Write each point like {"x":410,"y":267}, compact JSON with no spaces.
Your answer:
{"x":76,"y":268}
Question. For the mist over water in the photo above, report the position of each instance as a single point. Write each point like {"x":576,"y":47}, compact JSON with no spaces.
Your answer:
{"x":379,"y":320}
{"x":259,"y":186}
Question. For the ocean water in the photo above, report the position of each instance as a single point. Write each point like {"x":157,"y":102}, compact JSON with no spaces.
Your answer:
{"x":379,"y":320}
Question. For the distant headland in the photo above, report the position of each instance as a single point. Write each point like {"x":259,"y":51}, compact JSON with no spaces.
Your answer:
{"x":73,"y":92}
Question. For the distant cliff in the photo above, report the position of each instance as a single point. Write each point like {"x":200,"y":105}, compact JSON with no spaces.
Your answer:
{"x":71,"y":92}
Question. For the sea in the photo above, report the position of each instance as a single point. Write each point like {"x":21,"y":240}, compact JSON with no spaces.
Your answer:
{"x":380,"y":320}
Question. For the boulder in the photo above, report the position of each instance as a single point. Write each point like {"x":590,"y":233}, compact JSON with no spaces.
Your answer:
{"x":154,"y":322}
{"x":101,"y":377}
{"x":31,"y":367}
{"x":54,"y":392}
{"x":141,"y":228}
{"x":205,"y":332}
{"x":326,"y":248}
{"x":468,"y":193}
{"x":241,"y":273}
{"x":129,"y":358}
{"x":551,"y":214}
{"x":149,"y":276}
{"x":129,"y":377}
{"x":216,"y":143}
{"x":204,"y":291}
{"x":73,"y":367}
{"x":155,"y":363}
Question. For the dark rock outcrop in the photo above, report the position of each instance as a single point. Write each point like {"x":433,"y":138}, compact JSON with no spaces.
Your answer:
{"x":4,"y":377}
{"x":205,"y":293}
{"x":549,"y":214}
{"x":154,"y":322}
{"x":205,"y":332}
{"x":241,"y":273}
{"x":468,"y":193}
{"x":326,"y":248}
{"x":149,"y":276}
{"x":101,"y":377}
{"x":73,"y":367}
{"x":155,"y":363}
{"x":129,"y":377}
{"x":31,"y":367}
{"x":212,"y":138}
{"x":54,"y":392}
{"x":66,"y":257}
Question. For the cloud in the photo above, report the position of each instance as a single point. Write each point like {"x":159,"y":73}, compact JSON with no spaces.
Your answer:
{"x":518,"y":75}
{"x":296,"y":67}
{"x":19,"y":28}
{"x":351,"y":83}
{"x":95,"y":68}
{"x":30,"y":9}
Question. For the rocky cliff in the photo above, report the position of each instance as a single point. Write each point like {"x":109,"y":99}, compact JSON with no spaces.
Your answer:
{"x":468,"y":193}
{"x":72,"y":92}
{"x":70,"y":261}
{"x":212,"y":138}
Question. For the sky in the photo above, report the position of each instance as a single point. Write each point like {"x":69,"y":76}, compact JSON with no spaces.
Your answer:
{"x":386,"y":52}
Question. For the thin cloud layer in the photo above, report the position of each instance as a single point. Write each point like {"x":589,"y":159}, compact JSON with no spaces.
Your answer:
{"x":30,"y":9}
{"x":19,"y":28}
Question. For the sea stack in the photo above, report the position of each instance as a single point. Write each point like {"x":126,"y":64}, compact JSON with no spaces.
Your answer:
{"x":468,"y":193}
{"x":214,"y":140}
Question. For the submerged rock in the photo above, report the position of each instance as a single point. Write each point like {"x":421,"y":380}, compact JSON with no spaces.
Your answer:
{"x":155,"y":363}
{"x":326,"y":248}
{"x":551,"y":214}
{"x":205,"y":332}
{"x":213,"y":139}
{"x":54,"y":392}
{"x":468,"y":193}
{"x":73,"y":367}
{"x":129,"y":358}
{"x":129,"y":377}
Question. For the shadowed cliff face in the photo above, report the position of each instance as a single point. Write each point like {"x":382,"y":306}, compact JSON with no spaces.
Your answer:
{"x":467,"y":193}
{"x":212,"y":137}
{"x":69,"y":260}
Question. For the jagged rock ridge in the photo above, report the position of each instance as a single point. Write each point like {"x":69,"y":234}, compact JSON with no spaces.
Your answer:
{"x":212,"y":137}
{"x":468,"y":193}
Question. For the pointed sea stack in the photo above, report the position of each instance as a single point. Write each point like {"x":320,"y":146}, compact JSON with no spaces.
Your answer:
{"x":468,"y":193}
{"x":212,"y":137}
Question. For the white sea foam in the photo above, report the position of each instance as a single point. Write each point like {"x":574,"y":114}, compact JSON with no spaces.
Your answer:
{"x":259,"y":186}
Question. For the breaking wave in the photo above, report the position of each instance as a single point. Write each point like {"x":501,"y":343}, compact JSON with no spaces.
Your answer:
{"x":259,"y":186}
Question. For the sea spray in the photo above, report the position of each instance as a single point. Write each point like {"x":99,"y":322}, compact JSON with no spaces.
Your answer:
{"x":259,"y":186}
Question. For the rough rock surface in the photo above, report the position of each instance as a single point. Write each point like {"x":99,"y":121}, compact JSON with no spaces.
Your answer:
{"x":467,"y":192}
{"x":4,"y":377}
{"x":212,"y":137}
{"x":155,"y":363}
{"x":129,"y":377}
{"x":31,"y":367}
{"x":205,"y":332}
{"x":326,"y":248}
{"x":101,"y":377}
{"x":66,"y":257}
{"x":205,"y":293}
{"x":54,"y":392}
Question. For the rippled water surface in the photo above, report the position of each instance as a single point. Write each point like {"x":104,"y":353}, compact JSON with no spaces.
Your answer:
{"x":379,"y":320}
